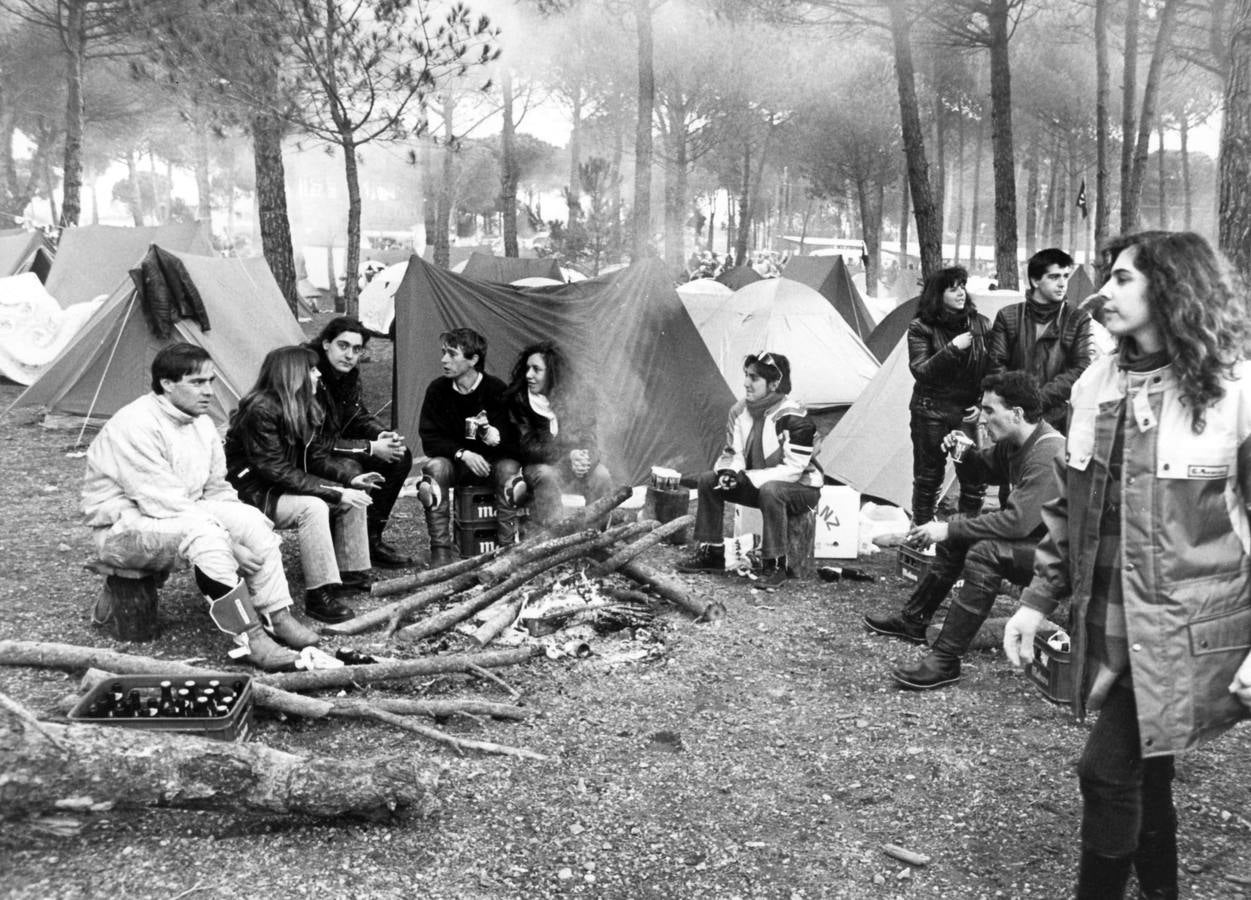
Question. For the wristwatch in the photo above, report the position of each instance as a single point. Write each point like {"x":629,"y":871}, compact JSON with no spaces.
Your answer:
{"x":460,"y":454}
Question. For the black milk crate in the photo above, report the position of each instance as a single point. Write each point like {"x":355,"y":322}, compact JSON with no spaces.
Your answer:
{"x":1051,"y":671}
{"x":913,"y":564}
{"x":475,"y":504}
{"x":474,"y":540}
{"x":233,"y":725}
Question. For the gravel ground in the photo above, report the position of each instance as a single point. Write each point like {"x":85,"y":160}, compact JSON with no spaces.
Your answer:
{"x":766,"y":756}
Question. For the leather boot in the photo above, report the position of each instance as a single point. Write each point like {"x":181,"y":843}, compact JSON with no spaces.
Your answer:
{"x":233,"y":613}
{"x":1155,"y":864}
{"x":941,"y":666}
{"x":1102,"y":877}
{"x":909,"y":623}
{"x":439,"y":528}
{"x":382,"y":554}
{"x":708,"y":558}
{"x":290,"y":630}
{"x":322,"y":604}
{"x":355,"y":581}
{"x":772,"y":574}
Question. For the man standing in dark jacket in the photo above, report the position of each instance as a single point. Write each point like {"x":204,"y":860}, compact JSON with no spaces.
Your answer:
{"x":464,"y":432}
{"x":351,"y":431}
{"x":1044,"y":336}
{"x":988,"y":547}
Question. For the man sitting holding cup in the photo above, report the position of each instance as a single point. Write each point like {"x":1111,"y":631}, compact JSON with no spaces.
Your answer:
{"x":987,"y":547}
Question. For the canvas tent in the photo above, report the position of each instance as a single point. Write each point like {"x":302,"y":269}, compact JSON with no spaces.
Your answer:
{"x":92,"y":259}
{"x":377,"y":299}
{"x":1081,"y":285}
{"x":829,"y":365}
{"x":33,"y":327}
{"x":24,"y":251}
{"x":662,"y":401}
{"x":702,"y":298}
{"x":739,"y":277}
{"x":871,"y":446}
{"x":108,"y":363}
{"x":828,"y":276}
{"x":890,"y":331}
{"x":507,"y":269}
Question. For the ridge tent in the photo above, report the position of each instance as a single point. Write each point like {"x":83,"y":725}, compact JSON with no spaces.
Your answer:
{"x":92,"y":259}
{"x":507,"y":269}
{"x":828,"y":276}
{"x":33,"y":327}
{"x":739,"y":277}
{"x":661,"y":399}
{"x":702,"y":298}
{"x":830,"y":366}
{"x":1081,"y":285}
{"x":108,"y":363}
{"x":890,"y":331}
{"x":457,"y":256}
{"x":25,"y":251}
{"x":376,"y":304}
{"x":870,"y":448}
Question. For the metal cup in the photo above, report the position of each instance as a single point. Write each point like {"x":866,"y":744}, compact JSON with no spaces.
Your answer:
{"x":962,"y":444}
{"x":471,"y":428}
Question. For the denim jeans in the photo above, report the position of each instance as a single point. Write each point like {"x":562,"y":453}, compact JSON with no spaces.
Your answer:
{"x":1123,"y":795}
{"x":454,"y":473}
{"x":776,"y":500}
{"x":930,"y":423}
{"x":384,"y":495}
{"x":547,"y":483}
{"x":331,"y":540}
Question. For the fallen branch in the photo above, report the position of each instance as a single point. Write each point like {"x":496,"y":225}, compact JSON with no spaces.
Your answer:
{"x":366,"y":711}
{"x":321,"y":679}
{"x":627,"y":553}
{"x":501,"y":614}
{"x":393,"y":586}
{"x":673,"y":590}
{"x":98,"y":768}
{"x":393,"y":613}
{"x":445,"y":619}
{"x":508,"y":688}
{"x":529,"y":549}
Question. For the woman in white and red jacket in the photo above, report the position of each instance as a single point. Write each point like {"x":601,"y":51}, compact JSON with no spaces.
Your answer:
{"x":768,"y":462}
{"x":1151,"y":541}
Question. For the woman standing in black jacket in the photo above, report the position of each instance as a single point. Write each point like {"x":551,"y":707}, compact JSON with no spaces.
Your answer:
{"x":948,"y":357}
{"x":276,"y":462}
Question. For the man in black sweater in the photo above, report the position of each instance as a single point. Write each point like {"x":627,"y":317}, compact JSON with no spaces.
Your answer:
{"x":464,"y":432}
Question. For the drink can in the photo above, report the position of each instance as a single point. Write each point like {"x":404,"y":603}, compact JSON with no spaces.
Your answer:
{"x":962,"y":444}
{"x":471,"y":428}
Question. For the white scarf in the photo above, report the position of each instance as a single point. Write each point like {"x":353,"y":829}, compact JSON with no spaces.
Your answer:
{"x":541,"y":405}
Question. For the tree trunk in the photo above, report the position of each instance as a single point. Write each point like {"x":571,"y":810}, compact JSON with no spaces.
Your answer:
{"x":1001,"y":140}
{"x":574,"y":197}
{"x":960,"y":182}
{"x":675,"y":194}
{"x":1074,"y":172}
{"x":1060,"y":213}
{"x":1235,"y":156}
{"x":508,"y":174}
{"x":979,"y":144}
{"x":443,"y":208}
{"x":74,"y":35}
{"x":203,"y":184}
{"x":1162,"y":193}
{"x":929,"y":235}
{"x":271,"y":204}
{"x":744,"y":208}
{"x":1103,"y":80}
{"x":1031,"y":198}
{"x":1150,"y":95}
{"x":905,"y":196}
{"x":352,"y":261}
{"x":1187,"y":199}
{"x":135,"y":196}
{"x":871,"y":195}
{"x":939,"y":181}
{"x":48,"y":765}
{"x":1129,"y":100}
{"x":641,"y":242}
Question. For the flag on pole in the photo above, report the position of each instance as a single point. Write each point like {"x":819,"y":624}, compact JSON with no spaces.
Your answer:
{"x":1081,"y":199}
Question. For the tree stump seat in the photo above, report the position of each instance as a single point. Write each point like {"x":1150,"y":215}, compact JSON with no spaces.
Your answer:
{"x":801,"y":532}
{"x":127,"y":605}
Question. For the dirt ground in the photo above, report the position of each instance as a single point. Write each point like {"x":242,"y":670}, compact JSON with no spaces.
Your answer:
{"x":765,"y":756}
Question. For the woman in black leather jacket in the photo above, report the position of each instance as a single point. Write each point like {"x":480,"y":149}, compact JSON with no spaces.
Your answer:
{"x":277,"y":463}
{"x":948,"y":357}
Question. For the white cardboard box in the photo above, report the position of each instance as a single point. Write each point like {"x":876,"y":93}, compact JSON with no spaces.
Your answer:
{"x":838,"y":523}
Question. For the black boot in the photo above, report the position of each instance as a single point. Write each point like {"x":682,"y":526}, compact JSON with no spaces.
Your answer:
{"x":909,"y":623}
{"x":941,"y":666}
{"x":381,"y":554}
{"x":323,"y":604}
{"x":439,"y":528}
{"x":772,"y":573}
{"x":707,"y":558}
{"x":1102,"y":877}
{"x":1155,"y":864}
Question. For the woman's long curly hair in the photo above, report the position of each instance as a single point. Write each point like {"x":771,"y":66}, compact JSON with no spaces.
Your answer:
{"x":285,"y":376}
{"x":1199,"y":303}
{"x":930,"y":306}
{"x":557,"y":370}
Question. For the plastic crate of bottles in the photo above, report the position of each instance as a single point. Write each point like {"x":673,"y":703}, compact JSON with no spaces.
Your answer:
{"x":215,"y":705}
{"x":914,"y":563}
{"x":474,"y":540}
{"x":1051,"y":671}
{"x":475,"y":505}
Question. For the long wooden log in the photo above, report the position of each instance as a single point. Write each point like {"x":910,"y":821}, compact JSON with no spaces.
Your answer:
{"x":321,"y":679}
{"x":673,"y":590}
{"x":502,"y":613}
{"x":524,"y":551}
{"x":445,"y":619}
{"x":627,"y":553}
{"x":50,"y":766}
{"x":391,"y":614}
{"x":393,"y":586}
